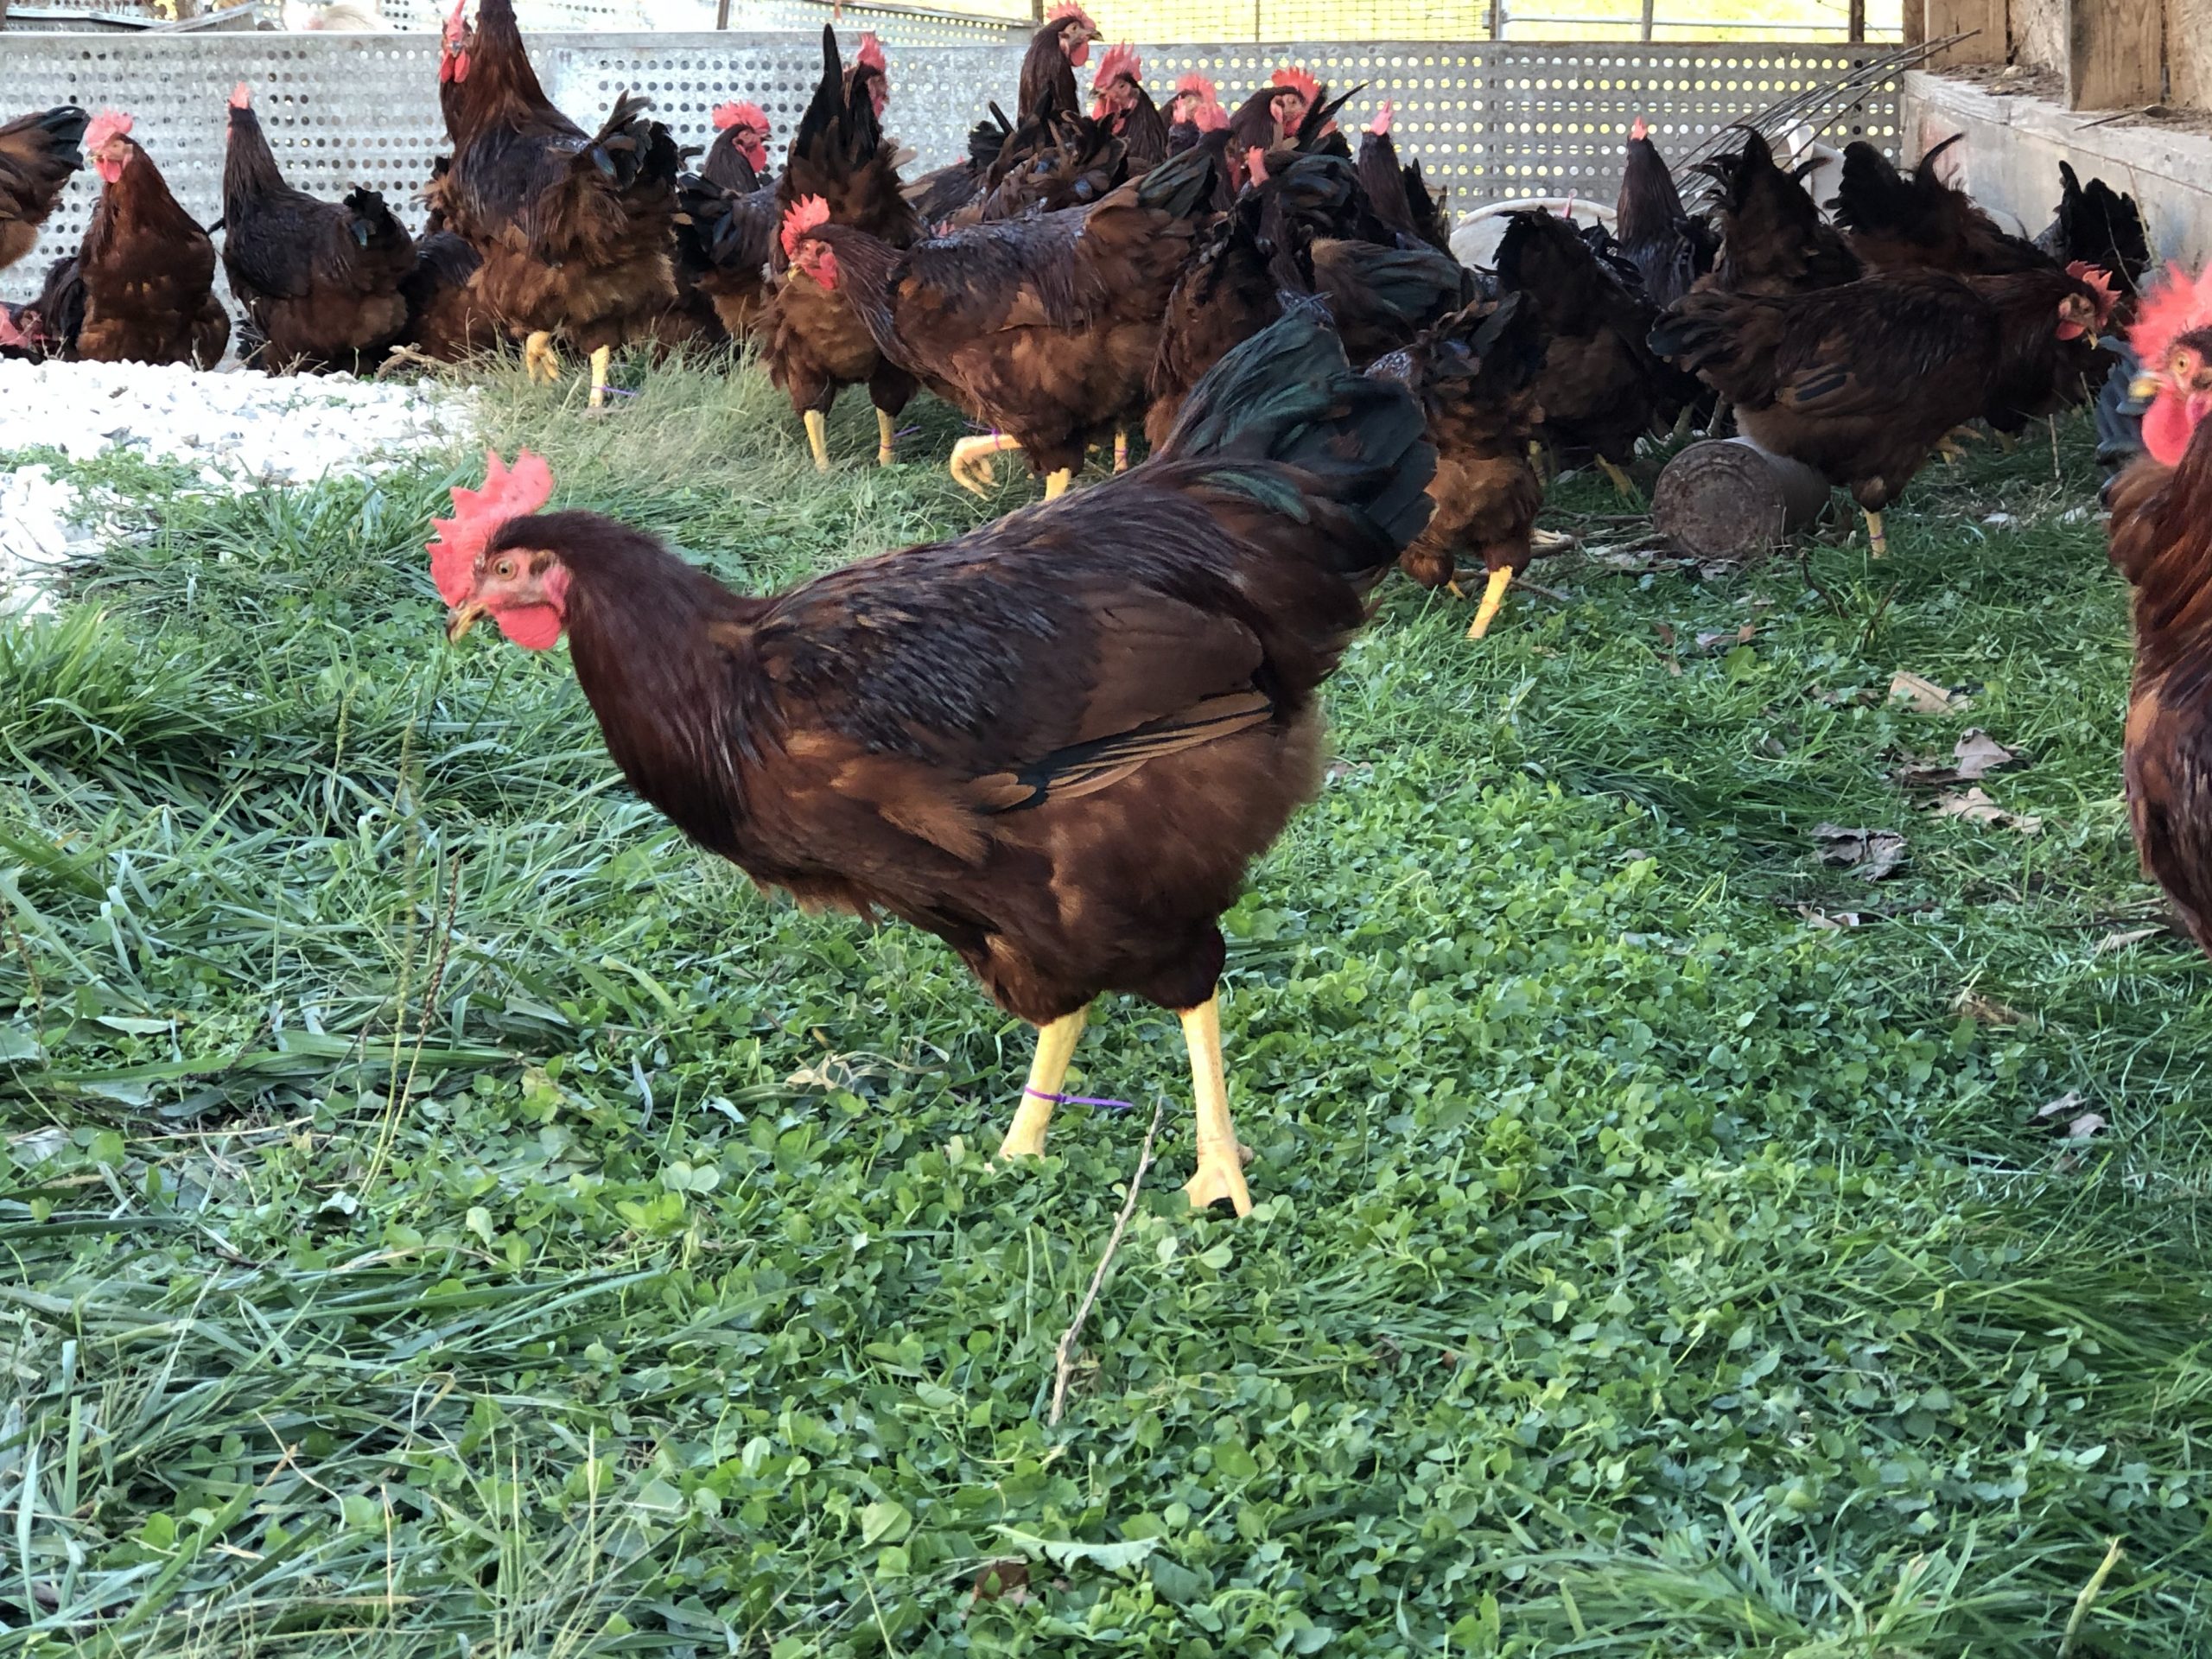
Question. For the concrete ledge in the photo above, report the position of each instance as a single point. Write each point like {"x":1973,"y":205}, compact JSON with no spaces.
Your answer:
{"x":2015,"y":143}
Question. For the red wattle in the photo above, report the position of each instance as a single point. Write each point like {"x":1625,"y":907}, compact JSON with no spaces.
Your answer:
{"x":2166,"y":429}
{"x":534,"y":627}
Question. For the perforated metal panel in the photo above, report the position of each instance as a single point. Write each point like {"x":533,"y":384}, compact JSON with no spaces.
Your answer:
{"x":1489,"y":120}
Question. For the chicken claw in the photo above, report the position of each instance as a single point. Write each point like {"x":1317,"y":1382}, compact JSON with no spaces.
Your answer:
{"x":1221,"y":1160}
{"x":818,"y":438}
{"x":539,"y":360}
{"x":1493,"y":599}
{"x":887,"y":440}
{"x":971,"y":460}
{"x":1025,"y":1136}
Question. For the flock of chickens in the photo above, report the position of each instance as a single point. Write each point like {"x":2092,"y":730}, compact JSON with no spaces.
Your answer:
{"x":1057,"y":742}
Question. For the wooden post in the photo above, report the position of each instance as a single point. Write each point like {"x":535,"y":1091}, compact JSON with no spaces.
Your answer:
{"x":722,"y":14}
{"x":1650,"y":11}
{"x":1985,"y":18}
{"x":2115,"y":53}
{"x":1859,"y":20}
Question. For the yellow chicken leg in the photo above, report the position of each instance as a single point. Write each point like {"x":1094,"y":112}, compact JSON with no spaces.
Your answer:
{"x":887,"y":440}
{"x":1025,"y":1136}
{"x":1879,"y":542}
{"x":539,"y":360}
{"x":1621,"y":481}
{"x":1056,"y":483}
{"x":971,"y":460}
{"x":1221,"y":1160}
{"x":1121,"y":451}
{"x":599,"y":359}
{"x":818,"y":438}
{"x":1493,"y":599}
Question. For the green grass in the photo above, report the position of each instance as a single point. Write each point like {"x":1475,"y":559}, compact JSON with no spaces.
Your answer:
{"x":446,"y":1216}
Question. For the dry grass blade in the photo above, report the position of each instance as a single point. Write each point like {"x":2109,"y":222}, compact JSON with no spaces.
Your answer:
{"x":1063,"y":1355}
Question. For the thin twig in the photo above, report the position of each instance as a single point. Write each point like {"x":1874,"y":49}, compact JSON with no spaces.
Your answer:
{"x":2082,"y":1602}
{"x":1064,"y":1364}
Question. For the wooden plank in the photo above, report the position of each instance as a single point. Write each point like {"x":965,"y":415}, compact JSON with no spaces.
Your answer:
{"x":1984,"y":20}
{"x":2115,"y":53}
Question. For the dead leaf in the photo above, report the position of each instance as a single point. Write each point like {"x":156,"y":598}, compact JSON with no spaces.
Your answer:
{"x":1986,"y":1011}
{"x":1007,"y":1580}
{"x":2084,"y":1126}
{"x":1666,"y":635}
{"x":1708,"y":639}
{"x":1924,"y":695}
{"x":2065,"y":1103}
{"x":1977,"y":752}
{"x":1871,"y":854}
{"x":1340,"y":770}
{"x":1840,"y":920}
{"x":2121,"y":941}
{"x":1975,"y":807}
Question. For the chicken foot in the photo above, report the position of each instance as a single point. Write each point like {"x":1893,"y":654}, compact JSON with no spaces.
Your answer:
{"x":1875,"y":538}
{"x":539,"y":360}
{"x":887,"y":440}
{"x":971,"y":460}
{"x":1493,"y":600}
{"x":817,"y":437}
{"x":1221,"y":1160}
{"x":599,"y":359}
{"x":1121,"y":450}
{"x":1025,"y":1136}
{"x":1623,"y":483}
{"x":1056,"y":483}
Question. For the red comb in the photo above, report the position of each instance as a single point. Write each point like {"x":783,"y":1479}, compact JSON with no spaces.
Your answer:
{"x":2177,"y":306}
{"x":1380,"y":126}
{"x":1195,"y":82}
{"x":1210,"y":117}
{"x":802,"y":216}
{"x":1119,"y":60}
{"x":2100,"y":281}
{"x":478,"y":514}
{"x":108,"y":123}
{"x":1068,"y":8}
{"x":1299,"y":81}
{"x":454,"y":25}
{"x":871,"y":53}
{"x":1639,"y":131}
{"x":241,"y":96}
{"x":740,"y":115}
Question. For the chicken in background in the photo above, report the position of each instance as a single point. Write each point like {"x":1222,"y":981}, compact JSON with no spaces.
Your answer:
{"x":446,"y":321}
{"x":1475,"y":375}
{"x":1194,"y":111}
{"x":814,"y":342}
{"x":575,"y":230}
{"x":1040,"y":329}
{"x":1600,"y":388}
{"x":319,"y":282}
{"x":1057,"y":50}
{"x":1863,"y":382}
{"x":1057,"y":743}
{"x":1671,"y":248}
{"x":726,"y":234}
{"x":738,"y":158}
{"x":142,"y":286}
{"x":1401,"y":211}
{"x":1120,"y":102}
{"x":2100,"y":226}
{"x":1916,"y":221}
{"x":2162,"y":543}
{"x":38,"y":152}
{"x":1773,"y":239}
{"x":869,"y":72}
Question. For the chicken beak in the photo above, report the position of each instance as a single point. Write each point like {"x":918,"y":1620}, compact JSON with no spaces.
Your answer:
{"x":465,"y":617}
{"x":2143,"y":387}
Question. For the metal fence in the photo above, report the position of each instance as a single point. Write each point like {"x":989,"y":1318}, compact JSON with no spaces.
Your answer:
{"x":1487,"y":119}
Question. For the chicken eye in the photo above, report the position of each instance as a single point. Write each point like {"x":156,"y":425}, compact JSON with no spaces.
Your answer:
{"x":505,"y":569}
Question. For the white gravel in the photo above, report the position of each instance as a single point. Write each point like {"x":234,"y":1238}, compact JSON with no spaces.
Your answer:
{"x":236,"y":429}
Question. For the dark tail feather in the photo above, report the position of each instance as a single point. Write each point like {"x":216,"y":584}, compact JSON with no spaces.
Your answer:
{"x":1286,"y":395}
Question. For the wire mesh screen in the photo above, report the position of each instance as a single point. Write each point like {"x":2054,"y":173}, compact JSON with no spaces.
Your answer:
{"x":1489,"y":120}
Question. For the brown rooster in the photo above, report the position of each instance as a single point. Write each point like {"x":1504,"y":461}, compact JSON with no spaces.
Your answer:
{"x":815,"y":344}
{"x":38,"y":152}
{"x":1403,"y":212}
{"x":1041,"y":328}
{"x":575,"y":229}
{"x":2162,"y":543}
{"x":1920,"y":222}
{"x":726,"y":233}
{"x":145,"y":278}
{"x":1056,"y":743}
{"x":1056,"y":51}
{"x":320,"y":284}
{"x":1670,"y":248}
{"x":1475,"y":374}
{"x":1863,"y":382}
{"x":1120,"y":102}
